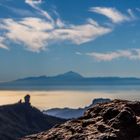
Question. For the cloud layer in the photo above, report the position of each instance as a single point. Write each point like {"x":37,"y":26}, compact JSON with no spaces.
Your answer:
{"x":132,"y":54}
{"x":37,"y":33}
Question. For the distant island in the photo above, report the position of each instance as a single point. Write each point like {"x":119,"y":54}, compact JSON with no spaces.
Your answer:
{"x":67,"y":79}
{"x":71,"y":113}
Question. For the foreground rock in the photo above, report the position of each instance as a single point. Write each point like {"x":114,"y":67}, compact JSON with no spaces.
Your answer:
{"x":116,"y":120}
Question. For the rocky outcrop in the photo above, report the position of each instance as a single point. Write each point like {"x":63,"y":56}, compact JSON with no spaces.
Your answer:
{"x":116,"y":120}
{"x":21,"y":119}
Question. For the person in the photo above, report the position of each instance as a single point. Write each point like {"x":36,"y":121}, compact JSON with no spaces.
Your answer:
{"x":20,"y":101}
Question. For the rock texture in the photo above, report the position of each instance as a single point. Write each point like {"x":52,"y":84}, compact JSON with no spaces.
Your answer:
{"x":116,"y":120}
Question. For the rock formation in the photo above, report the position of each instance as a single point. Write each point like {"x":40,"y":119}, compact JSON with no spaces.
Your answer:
{"x":27,"y":99}
{"x":21,"y":119}
{"x":116,"y":120}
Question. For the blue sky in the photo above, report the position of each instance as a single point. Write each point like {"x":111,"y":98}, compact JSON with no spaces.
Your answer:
{"x":48,"y":37}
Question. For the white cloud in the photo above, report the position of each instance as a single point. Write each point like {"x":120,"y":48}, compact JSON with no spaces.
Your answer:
{"x":132,"y":15}
{"x":34,"y":4}
{"x":132,"y":54}
{"x":113,"y":14}
{"x":59,"y":23}
{"x":78,"y":53}
{"x":37,"y":24}
{"x":79,"y":34}
{"x":2,"y":45}
{"x":36,"y":34}
{"x":33,"y":1}
{"x":24,"y":33}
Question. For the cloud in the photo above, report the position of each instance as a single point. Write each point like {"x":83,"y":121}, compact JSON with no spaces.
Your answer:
{"x":28,"y":32}
{"x":18,"y":11}
{"x":138,"y":9}
{"x":90,"y":31}
{"x":112,"y":13}
{"x":2,"y":45}
{"x":132,"y":15}
{"x":132,"y":54}
{"x":33,"y":1}
{"x":78,"y":53}
{"x":21,"y":12}
{"x":34,"y":4}
{"x":36,"y":34}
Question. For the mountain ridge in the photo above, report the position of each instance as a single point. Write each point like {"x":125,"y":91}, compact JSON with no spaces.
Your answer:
{"x":21,"y":119}
{"x":67,"y":79}
{"x":72,"y":73}
{"x":75,"y":73}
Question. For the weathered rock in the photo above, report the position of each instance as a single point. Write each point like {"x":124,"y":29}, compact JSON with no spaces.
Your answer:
{"x":107,"y":137}
{"x":127,"y":117}
{"x":116,"y":120}
{"x":110,"y":113}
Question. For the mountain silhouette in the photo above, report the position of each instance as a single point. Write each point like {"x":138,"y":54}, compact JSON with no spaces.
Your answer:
{"x":21,"y":119}
{"x":70,"y":113}
{"x":69,"y":75}
{"x":67,"y":79}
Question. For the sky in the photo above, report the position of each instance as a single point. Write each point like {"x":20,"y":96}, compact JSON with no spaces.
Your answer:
{"x":49,"y":37}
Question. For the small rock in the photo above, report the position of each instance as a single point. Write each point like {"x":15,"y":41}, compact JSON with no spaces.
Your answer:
{"x":87,"y":122}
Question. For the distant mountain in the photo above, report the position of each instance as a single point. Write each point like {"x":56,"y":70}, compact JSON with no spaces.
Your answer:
{"x":69,"y":75}
{"x":21,"y":119}
{"x":69,"y":113}
{"x":67,"y":79}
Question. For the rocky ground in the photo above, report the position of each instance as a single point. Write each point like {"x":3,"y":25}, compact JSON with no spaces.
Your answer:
{"x":116,"y":120}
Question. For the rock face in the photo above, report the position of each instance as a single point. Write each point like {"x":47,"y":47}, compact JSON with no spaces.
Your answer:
{"x":116,"y":120}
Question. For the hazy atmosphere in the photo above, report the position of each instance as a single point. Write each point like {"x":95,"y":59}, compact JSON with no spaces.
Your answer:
{"x":91,"y":37}
{"x":69,"y":69}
